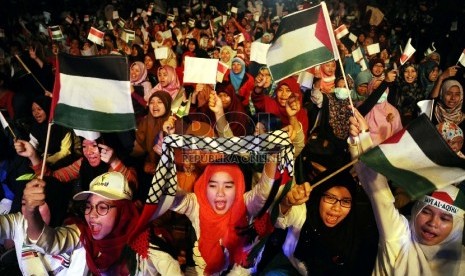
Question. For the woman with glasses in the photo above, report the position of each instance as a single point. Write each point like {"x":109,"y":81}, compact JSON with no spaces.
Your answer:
{"x":323,"y":237}
{"x":110,"y":219}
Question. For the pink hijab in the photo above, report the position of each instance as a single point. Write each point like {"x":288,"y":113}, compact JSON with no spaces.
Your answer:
{"x":143,"y":72}
{"x":173,"y":82}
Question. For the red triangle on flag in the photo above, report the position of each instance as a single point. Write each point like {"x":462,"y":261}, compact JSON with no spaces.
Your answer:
{"x":321,"y":31}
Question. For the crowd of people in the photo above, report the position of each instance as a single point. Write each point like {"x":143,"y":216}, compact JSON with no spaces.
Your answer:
{"x":248,"y":217}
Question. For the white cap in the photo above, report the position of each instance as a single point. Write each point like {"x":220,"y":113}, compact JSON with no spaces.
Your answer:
{"x":110,"y":185}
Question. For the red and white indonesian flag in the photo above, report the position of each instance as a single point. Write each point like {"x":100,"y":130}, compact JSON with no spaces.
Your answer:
{"x":93,"y":93}
{"x":221,"y":71}
{"x":304,"y":39}
{"x":417,"y":159}
{"x":69,"y":19}
{"x":462,"y":58}
{"x":200,"y":70}
{"x":96,"y":36}
{"x":341,"y":31}
{"x":407,"y":53}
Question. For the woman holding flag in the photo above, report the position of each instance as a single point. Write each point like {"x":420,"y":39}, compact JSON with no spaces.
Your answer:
{"x":105,"y":232}
{"x":430,"y":242}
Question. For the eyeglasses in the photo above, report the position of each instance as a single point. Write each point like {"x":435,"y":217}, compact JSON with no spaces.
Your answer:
{"x":345,"y":202}
{"x":102,"y":208}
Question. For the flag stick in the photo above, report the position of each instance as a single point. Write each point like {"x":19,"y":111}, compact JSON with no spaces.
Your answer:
{"x":42,"y":171}
{"x":334,"y":173}
{"x":29,"y":72}
{"x":12,"y":133}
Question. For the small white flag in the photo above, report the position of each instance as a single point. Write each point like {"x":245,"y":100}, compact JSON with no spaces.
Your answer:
{"x":341,"y":31}
{"x":407,"y":53}
{"x":363,"y":64}
{"x":353,"y":37}
{"x":161,"y":53}
{"x":357,"y":54}
{"x":373,"y":49}
{"x":176,"y":11}
{"x":200,"y":70}
{"x":167,"y":34}
{"x":3,"y":121}
{"x":258,"y":52}
{"x":115,"y":15}
{"x":462,"y":58}
{"x":234,"y":10}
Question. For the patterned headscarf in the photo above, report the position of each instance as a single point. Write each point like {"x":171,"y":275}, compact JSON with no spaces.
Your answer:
{"x":444,"y":113}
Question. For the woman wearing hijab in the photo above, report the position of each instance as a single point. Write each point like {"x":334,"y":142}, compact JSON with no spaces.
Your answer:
{"x":148,"y":131}
{"x":430,"y":241}
{"x":151,"y":64}
{"x":428,"y":74}
{"x":449,"y":105}
{"x":137,"y":54}
{"x":61,"y":142}
{"x":232,"y":110}
{"x":97,"y":159}
{"x":242,"y":82}
{"x":110,"y":219}
{"x":407,"y":93}
{"x":168,"y":81}
{"x":287,"y":89}
{"x":226,"y":55}
{"x":140,"y":88}
{"x":217,"y":209}
{"x":323,"y":236}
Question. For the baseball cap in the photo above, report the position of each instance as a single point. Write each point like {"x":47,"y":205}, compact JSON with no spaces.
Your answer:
{"x":110,"y":185}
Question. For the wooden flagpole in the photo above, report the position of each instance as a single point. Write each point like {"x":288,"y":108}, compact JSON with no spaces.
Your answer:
{"x":29,"y":72}
{"x":334,"y":173}
{"x":42,"y":171}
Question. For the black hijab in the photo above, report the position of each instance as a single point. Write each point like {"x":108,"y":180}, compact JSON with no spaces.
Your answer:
{"x":328,"y":250}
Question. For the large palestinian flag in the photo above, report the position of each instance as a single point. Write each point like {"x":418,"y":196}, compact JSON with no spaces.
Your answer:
{"x":304,"y":39}
{"x":93,"y":93}
{"x":417,"y":159}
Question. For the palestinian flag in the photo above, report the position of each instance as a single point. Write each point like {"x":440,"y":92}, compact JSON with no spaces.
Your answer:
{"x":417,"y":159}
{"x":304,"y":39}
{"x":55,"y":33}
{"x":92,"y":93}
